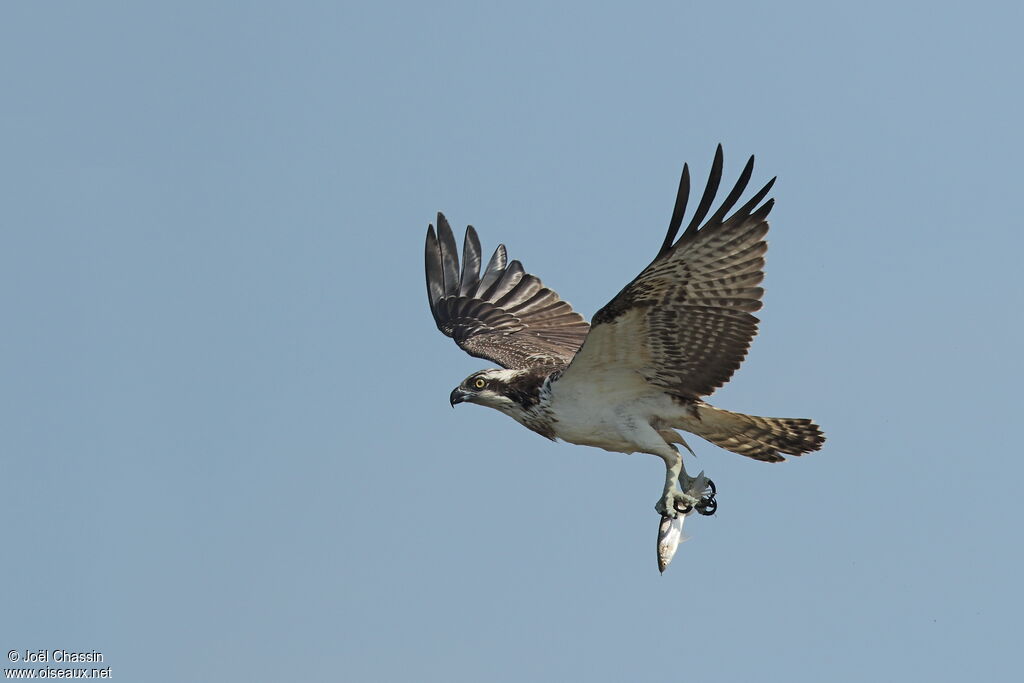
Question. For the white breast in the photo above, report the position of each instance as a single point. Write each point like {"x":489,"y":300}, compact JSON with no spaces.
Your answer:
{"x":613,"y":412}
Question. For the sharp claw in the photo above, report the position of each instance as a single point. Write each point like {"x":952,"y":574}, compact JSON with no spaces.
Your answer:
{"x":708,"y":505}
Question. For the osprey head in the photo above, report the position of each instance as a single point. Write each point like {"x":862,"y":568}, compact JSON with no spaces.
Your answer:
{"x":487,"y":388}
{"x":513,"y":392}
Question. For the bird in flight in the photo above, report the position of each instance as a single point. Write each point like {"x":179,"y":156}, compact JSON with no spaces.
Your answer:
{"x":641,"y":369}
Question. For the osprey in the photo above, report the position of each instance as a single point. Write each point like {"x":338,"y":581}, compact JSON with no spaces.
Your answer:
{"x":640,"y":370}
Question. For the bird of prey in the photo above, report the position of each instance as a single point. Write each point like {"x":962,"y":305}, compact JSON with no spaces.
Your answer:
{"x":639,"y":371}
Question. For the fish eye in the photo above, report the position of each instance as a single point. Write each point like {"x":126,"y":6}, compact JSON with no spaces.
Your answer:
{"x":480,"y":383}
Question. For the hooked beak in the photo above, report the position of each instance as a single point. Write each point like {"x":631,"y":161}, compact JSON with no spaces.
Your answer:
{"x":459,"y":395}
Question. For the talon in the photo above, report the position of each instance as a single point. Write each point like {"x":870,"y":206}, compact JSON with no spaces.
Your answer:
{"x":707,"y":506}
{"x":675,"y":502}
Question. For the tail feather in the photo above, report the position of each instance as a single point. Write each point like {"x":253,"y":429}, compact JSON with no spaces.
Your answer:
{"x":761,"y":438}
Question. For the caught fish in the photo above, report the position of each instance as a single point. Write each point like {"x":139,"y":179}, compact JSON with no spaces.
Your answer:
{"x":670,"y":535}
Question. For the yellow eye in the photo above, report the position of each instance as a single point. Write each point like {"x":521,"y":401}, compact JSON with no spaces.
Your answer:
{"x":480,"y":383}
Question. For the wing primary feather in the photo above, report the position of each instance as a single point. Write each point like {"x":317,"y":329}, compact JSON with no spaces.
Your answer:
{"x":449,"y":256}
{"x":755,"y":200}
{"x":737,"y":190}
{"x":435,"y":276}
{"x":470,"y":263}
{"x":709,"y":193}
{"x":509,"y":278}
{"x":677,"y":212}
{"x":763,"y":212}
{"x":494,"y":269}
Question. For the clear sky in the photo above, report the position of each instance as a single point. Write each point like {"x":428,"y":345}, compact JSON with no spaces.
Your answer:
{"x":226,"y":449}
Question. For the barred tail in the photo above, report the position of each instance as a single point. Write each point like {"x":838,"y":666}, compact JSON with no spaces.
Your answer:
{"x":760,"y":438}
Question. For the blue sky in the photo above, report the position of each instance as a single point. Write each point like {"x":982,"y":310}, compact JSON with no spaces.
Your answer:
{"x":226,"y":446}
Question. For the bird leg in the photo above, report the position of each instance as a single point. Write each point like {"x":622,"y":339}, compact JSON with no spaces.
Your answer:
{"x":692,"y":493}
{"x":698,"y":486}
{"x":673,"y":500}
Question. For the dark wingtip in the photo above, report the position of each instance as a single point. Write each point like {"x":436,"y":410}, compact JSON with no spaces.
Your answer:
{"x":470,"y":275}
{"x":433,"y":269}
{"x":708,"y":197}
{"x":449,"y":256}
{"x":714,"y":179}
{"x":674,"y":223}
{"x":735,"y":194}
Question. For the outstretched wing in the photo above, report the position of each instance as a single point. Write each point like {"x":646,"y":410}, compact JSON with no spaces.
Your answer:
{"x":685,"y":322}
{"x":504,"y":315}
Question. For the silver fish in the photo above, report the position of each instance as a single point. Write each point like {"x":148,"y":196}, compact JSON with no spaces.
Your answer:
{"x":670,"y":535}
